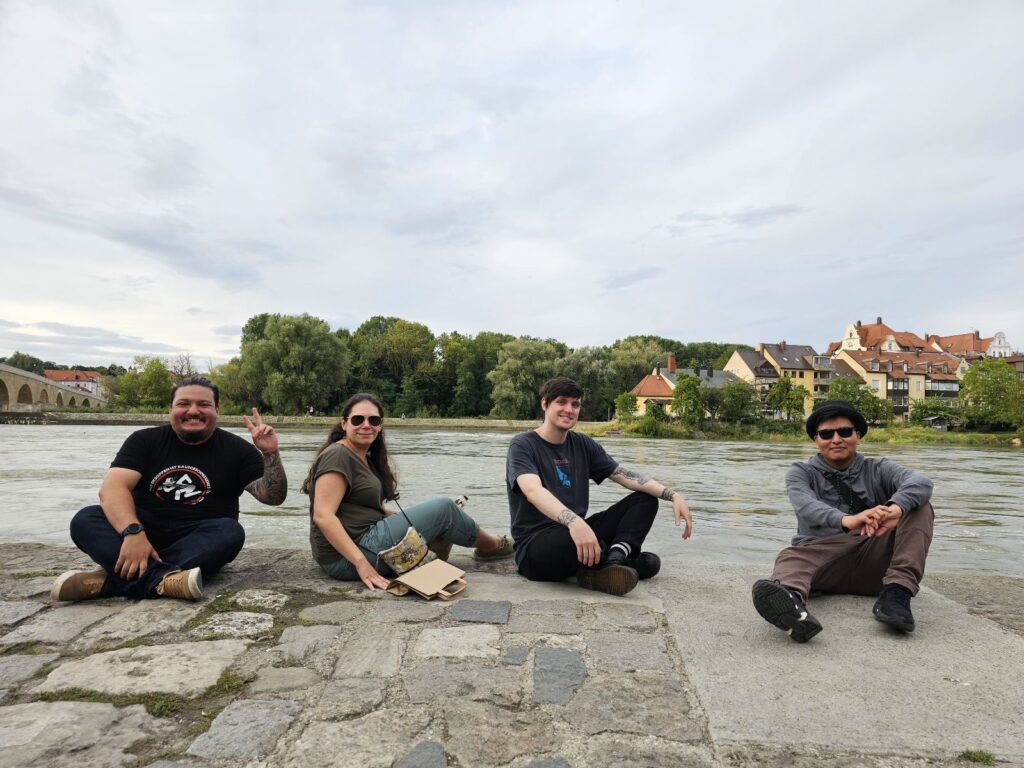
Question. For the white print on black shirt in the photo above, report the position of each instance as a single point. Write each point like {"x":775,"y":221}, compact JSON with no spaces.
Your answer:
{"x":180,"y":485}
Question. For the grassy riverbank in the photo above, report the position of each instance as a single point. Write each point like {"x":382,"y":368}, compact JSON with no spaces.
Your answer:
{"x":782,"y":432}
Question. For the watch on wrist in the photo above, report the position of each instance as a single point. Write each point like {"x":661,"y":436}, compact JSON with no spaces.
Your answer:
{"x":132,"y":529}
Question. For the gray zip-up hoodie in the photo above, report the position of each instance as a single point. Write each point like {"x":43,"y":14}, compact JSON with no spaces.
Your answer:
{"x":819,"y":509}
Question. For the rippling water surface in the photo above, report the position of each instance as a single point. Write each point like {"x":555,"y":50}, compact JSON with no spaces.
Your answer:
{"x":741,"y":513}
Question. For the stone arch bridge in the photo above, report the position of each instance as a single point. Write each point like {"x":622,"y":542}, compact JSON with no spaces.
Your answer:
{"x":24,"y":391}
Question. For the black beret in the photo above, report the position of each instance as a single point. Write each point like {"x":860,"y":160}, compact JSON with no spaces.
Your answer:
{"x":830,"y":409}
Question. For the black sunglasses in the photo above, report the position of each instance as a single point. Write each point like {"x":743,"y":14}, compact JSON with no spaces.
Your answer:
{"x":355,"y":421}
{"x":826,"y":434}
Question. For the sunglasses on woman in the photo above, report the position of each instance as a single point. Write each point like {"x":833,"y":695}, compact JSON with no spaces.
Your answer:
{"x":355,"y":421}
{"x":826,"y":434}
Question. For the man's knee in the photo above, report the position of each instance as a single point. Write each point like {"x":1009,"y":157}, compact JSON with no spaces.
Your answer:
{"x":229,"y":534}
{"x":83,"y":524}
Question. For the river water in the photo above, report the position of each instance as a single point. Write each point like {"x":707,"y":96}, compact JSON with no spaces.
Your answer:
{"x":741,"y":513}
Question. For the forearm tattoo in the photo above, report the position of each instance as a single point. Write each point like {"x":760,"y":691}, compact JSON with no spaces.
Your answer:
{"x":667,"y":494}
{"x":629,"y":474}
{"x":272,"y":488}
{"x":566,"y":517}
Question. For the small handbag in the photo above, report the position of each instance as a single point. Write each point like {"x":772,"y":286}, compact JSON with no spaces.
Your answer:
{"x":408,"y":552}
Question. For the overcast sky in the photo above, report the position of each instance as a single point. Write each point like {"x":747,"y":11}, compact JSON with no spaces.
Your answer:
{"x":724,"y":171}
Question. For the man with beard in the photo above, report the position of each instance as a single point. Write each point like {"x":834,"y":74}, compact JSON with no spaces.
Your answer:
{"x":168,"y":512}
{"x":863,"y":528}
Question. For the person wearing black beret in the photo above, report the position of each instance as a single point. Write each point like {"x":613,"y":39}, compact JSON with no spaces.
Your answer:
{"x":864,"y":526}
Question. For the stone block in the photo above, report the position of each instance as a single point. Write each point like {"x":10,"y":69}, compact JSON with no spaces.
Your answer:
{"x":618,"y":750}
{"x":567,"y":609}
{"x":60,"y":625}
{"x":73,"y":734}
{"x":283,"y":679}
{"x":186,"y":669}
{"x":484,"y":734}
{"x":140,"y":619}
{"x":627,"y":651}
{"x":458,"y":642}
{"x":240,"y":624}
{"x":481,"y":611}
{"x":445,"y":681}
{"x":557,"y":673}
{"x":426,"y":754}
{"x":517,"y":655}
{"x":369,"y":652}
{"x":14,"y":669}
{"x":297,"y":644}
{"x":406,"y":610}
{"x":376,"y":740}
{"x":245,"y":728}
{"x":340,"y":612}
{"x":612,"y":616}
{"x":13,"y":611}
{"x":348,"y":697}
{"x":261,"y":599}
{"x":544,"y":625}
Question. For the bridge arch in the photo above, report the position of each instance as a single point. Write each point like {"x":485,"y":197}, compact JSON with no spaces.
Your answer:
{"x":71,"y":402}
{"x":25,"y":395}
{"x":60,"y":399}
{"x":44,"y":399}
{"x":5,"y":396}
{"x":85,"y":403}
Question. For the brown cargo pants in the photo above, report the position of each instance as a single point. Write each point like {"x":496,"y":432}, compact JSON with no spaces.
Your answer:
{"x":851,"y":564}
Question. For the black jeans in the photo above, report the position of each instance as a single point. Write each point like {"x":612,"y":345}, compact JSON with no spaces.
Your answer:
{"x":182,"y":544}
{"x":551,"y":554}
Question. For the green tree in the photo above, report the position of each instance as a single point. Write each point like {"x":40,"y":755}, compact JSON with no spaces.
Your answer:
{"x":687,"y":403}
{"x":523,"y":365}
{"x":30,"y":363}
{"x":473,"y":387}
{"x":786,"y":398}
{"x":234,"y":394}
{"x":929,"y":407}
{"x":387,"y":349}
{"x":875,"y":410}
{"x":740,"y":404}
{"x":625,"y":406}
{"x":655,"y":410}
{"x":297,"y":362}
{"x":155,"y":384}
{"x":992,"y":395}
{"x":632,"y":359}
{"x":590,"y":368}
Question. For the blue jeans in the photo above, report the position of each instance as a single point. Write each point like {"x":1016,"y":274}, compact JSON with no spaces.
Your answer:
{"x":182,"y":544}
{"x":439,"y":517}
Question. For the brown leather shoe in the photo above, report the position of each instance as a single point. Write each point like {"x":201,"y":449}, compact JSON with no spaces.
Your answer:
{"x":612,"y":579}
{"x":78,"y":585}
{"x":184,"y":585}
{"x":506,"y":549}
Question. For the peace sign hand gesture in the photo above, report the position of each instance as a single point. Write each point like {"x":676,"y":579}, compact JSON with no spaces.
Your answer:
{"x":263,"y":435}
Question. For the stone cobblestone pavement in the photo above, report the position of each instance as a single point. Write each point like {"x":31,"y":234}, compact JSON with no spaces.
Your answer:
{"x":278,"y":667}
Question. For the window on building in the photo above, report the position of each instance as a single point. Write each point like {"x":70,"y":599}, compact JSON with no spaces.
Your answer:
{"x":875,"y":384}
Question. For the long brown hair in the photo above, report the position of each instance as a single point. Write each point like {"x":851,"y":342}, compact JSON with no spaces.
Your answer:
{"x":376,"y":457}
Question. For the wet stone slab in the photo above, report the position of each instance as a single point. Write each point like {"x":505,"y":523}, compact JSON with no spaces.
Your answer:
{"x":557,"y":673}
{"x":481,"y":611}
{"x":349,"y":697}
{"x":458,"y":642}
{"x":17,"y":668}
{"x":60,"y":625}
{"x":239,"y":624}
{"x":341,"y":612}
{"x":463,"y":681}
{"x":484,"y":734}
{"x":141,"y":619}
{"x":369,"y":652}
{"x":186,"y":669}
{"x":71,"y":734}
{"x":13,"y":611}
{"x":627,"y":651}
{"x":376,"y":740}
{"x":297,"y":644}
{"x":245,"y":728}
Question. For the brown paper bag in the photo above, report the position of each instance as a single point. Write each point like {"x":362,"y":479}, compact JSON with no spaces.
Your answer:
{"x":435,"y":579}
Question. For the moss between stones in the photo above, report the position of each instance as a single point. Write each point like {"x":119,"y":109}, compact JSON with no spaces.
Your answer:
{"x":34,"y":574}
{"x":157,"y":704}
{"x":978,"y":756}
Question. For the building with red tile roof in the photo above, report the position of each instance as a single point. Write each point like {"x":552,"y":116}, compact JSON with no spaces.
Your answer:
{"x":87,"y":381}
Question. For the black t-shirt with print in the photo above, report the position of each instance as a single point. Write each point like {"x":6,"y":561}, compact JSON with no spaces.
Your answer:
{"x":189,"y":482}
{"x":566,"y":470}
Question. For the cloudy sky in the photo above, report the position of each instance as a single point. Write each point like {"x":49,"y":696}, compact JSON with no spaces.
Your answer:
{"x":729,"y":171}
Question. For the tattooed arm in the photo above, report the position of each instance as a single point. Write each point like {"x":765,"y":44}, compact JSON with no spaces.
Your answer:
{"x":635,"y":481}
{"x":272,"y":488}
{"x":588,"y":549}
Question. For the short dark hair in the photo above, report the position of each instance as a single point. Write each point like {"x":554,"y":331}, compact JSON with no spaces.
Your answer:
{"x":197,"y":381}
{"x":560,"y":386}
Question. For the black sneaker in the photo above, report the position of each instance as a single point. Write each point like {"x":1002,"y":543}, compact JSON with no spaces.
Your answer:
{"x":615,"y":579}
{"x":782,"y":607}
{"x":647,"y":564}
{"x":893,"y":607}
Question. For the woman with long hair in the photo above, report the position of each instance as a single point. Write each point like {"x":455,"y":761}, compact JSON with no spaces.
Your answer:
{"x":348,"y":483}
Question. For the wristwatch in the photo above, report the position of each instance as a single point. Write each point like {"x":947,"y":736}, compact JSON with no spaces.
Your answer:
{"x":132,"y":529}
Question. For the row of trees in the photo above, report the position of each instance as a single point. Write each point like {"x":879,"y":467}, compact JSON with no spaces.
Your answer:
{"x":36,"y":365}
{"x":991,"y":398}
